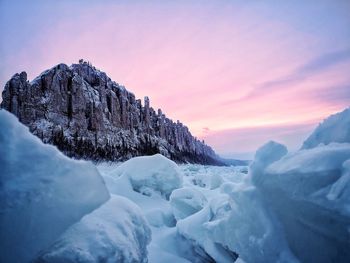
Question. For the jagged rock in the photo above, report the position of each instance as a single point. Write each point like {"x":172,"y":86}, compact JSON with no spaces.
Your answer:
{"x":87,"y":115}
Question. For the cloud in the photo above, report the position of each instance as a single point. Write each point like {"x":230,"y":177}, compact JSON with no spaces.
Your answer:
{"x":244,"y":140}
{"x":323,"y":62}
{"x":307,"y":70}
{"x":312,"y":67}
{"x":334,"y":94}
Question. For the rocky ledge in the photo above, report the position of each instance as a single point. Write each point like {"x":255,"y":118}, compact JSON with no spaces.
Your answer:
{"x":87,"y":115}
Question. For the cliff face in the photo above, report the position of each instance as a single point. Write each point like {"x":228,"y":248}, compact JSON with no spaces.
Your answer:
{"x":87,"y":115}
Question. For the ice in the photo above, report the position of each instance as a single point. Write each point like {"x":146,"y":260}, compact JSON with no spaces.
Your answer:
{"x":287,"y":207}
{"x":186,"y":201}
{"x":42,"y":192}
{"x":333,"y":129}
{"x":151,"y":173}
{"x":115,"y":232}
{"x":309,"y":193}
{"x":318,"y":175}
{"x":340,"y":190}
{"x":237,"y":223}
{"x":268,"y":153}
{"x":196,"y":228}
{"x":156,"y":209}
{"x":215,"y":181}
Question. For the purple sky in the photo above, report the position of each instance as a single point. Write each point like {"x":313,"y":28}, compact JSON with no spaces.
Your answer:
{"x":238,"y":73}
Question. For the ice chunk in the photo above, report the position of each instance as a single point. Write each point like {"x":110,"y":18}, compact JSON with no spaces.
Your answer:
{"x":248,"y":228}
{"x":42,"y":191}
{"x":115,"y":232}
{"x":195,"y":229}
{"x":151,"y":173}
{"x":156,"y":209}
{"x":186,"y":201}
{"x":309,"y":192}
{"x":335,"y":128}
{"x":264,"y":156}
{"x":237,"y":224}
{"x":341,"y":188}
{"x":269,"y":153}
{"x":303,"y":173}
{"x":215,"y":181}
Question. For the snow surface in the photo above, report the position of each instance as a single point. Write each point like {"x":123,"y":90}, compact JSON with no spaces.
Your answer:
{"x":115,"y":232}
{"x":290,"y":207}
{"x":169,"y":241}
{"x":333,"y":129}
{"x":287,"y":207}
{"x":42,"y":191}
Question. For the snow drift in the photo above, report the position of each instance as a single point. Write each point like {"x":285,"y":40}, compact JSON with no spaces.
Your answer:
{"x":115,"y":232}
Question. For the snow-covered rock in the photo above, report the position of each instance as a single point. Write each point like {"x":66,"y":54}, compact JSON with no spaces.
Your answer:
{"x":42,"y":192}
{"x":186,"y":201}
{"x":115,"y":232}
{"x":87,"y":115}
{"x":151,"y":173}
{"x":336,"y":128}
{"x":309,"y":193}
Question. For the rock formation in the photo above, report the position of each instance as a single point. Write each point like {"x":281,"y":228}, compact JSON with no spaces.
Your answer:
{"x":87,"y":115}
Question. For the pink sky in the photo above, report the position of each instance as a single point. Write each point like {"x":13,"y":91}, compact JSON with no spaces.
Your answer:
{"x":236,"y":74}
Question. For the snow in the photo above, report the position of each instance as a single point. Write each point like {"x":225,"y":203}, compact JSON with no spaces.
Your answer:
{"x":333,"y":129}
{"x":286,"y":207}
{"x":42,"y":192}
{"x":149,"y":174}
{"x":115,"y":232}
{"x":168,"y":241}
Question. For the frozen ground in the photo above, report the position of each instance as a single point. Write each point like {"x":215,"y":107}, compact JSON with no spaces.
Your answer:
{"x":285,"y":207}
{"x":199,"y":190}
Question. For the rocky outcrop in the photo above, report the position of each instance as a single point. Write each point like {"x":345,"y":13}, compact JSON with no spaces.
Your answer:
{"x":87,"y":115}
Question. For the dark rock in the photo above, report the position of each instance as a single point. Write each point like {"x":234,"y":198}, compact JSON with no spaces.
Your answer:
{"x":87,"y":115}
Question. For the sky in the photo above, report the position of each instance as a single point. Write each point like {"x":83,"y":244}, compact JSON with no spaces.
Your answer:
{"x":237,"y":73}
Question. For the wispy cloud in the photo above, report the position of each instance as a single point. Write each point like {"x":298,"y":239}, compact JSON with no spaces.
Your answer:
{"x":217,"y":64}
{"x":249,"y":139}
{"x":332,"y":94}
{"x":318,"y":65}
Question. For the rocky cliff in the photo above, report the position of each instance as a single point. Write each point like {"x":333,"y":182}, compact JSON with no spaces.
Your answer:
{"x":87,"y":115}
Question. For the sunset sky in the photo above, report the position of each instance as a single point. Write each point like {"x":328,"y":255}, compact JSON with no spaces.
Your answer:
{"x":237,"y":73}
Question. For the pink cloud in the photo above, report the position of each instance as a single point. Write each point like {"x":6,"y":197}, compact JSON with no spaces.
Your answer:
{"x":197,"y":62}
